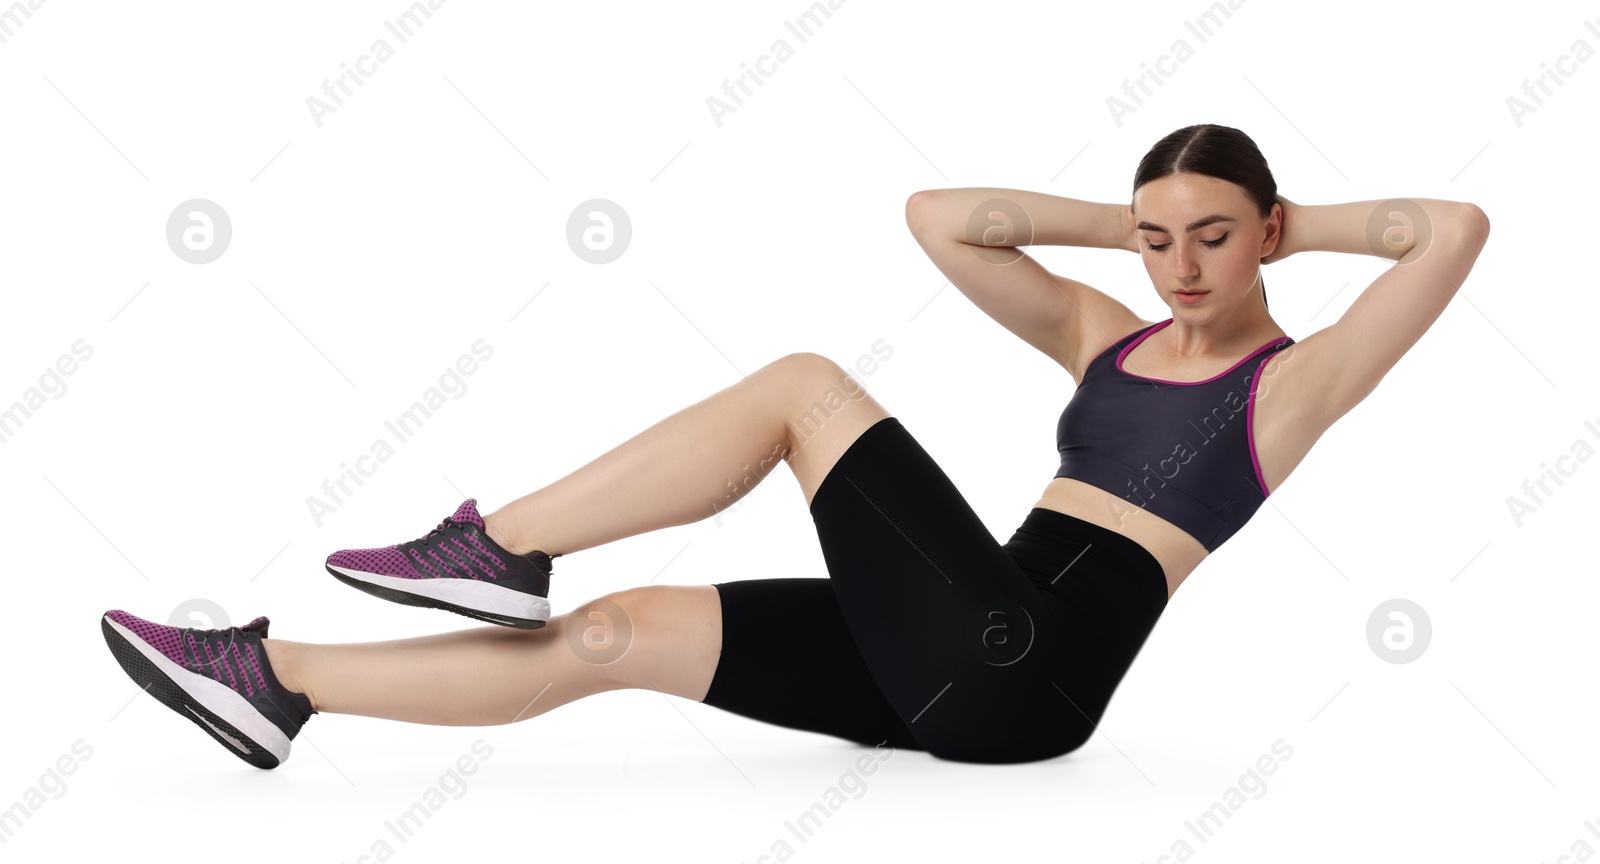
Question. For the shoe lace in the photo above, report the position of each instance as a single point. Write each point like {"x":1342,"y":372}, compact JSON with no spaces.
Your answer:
{"x":221,"y":637}
{"x":443,"y":527}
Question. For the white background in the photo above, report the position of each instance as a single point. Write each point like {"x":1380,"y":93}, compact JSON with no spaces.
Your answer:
{"x":369,"y":252}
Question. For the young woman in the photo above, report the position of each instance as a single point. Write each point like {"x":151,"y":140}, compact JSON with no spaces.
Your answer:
{"x":929,"y":634}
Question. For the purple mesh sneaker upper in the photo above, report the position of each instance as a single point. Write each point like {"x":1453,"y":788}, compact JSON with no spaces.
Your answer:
{"x":233,"y":656}
{"x":389,"y":561}
{"x":458,"y":547}
{"x":468,"y":512}
{"x":167,"y":640}
{"x":457,"y":567}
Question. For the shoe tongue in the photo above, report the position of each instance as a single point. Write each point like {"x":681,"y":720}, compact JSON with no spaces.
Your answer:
{"x":257,"y":627}
{"x":468,"y":512}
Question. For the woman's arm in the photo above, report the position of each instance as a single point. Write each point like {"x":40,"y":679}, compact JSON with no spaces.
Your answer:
{"x":1386,"y":228}
{"x":1046,"y":220}
{"x":1434,"y":244}
{"x":972,"y":235}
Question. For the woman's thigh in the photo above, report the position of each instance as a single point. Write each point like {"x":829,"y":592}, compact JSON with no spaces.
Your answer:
{"x":964,"y":645}
{"x":788,"y":659}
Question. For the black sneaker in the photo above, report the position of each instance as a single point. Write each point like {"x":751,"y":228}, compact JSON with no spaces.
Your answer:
{"x":220,"y":679}
{"x":456,"y":567}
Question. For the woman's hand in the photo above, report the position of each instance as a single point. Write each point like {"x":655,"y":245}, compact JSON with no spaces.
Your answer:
{"x":1128,"y":233}
{"x":1285,"y":246}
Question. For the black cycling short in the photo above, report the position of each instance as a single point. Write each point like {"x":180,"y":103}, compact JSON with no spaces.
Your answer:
{"x":929,"y":634}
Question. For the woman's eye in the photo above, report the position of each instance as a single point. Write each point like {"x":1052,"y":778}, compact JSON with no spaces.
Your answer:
{"x":1212,"y":243}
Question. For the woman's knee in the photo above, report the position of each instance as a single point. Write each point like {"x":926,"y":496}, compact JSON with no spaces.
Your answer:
{"x":660,"y":637}
{"x":807,"y":363}
{"x":814,"y":373}
{"x":819,"y":392}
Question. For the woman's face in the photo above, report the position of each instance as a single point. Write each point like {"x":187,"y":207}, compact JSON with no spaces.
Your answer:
{"x":1200,"y":234}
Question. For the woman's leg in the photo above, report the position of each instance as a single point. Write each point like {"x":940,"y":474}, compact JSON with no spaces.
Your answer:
{"x":788,"y":659}
{"x":774,"y":650}
{"x":966,"y":646}
{"x":661,"y":637}
{"x":803,"y":409}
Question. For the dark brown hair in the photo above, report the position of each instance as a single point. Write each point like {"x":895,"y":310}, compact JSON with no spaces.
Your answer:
{"x":1216,"y":151}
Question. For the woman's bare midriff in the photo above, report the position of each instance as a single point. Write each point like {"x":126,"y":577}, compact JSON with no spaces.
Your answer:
{"x":1178,"y":552}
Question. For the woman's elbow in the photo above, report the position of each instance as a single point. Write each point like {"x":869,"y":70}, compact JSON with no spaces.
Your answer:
{"x":1478,"y":219}
{"x":921,"y":209}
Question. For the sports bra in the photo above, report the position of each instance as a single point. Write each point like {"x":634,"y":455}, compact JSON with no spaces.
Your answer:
{"x":1181,"y":450}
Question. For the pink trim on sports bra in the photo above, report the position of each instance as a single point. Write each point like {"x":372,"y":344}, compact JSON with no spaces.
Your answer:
{"x":1250,"y":428}
{"x":1135,"y":343}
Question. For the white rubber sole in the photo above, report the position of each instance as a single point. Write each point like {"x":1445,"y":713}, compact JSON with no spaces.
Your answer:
{"x":216,"y":697}
{"x":485,"y":597}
